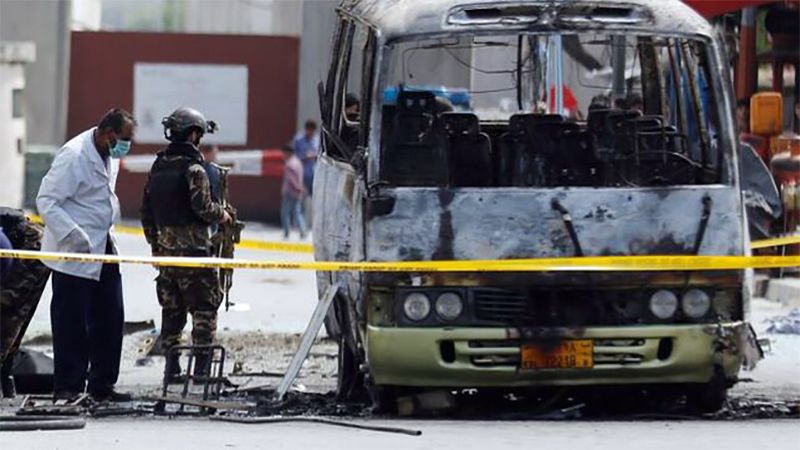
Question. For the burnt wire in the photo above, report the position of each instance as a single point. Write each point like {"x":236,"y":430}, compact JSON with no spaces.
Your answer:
{"x":406,"y":60}
{"x":320,"y":420}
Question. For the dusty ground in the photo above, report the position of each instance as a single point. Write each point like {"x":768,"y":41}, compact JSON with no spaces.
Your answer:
{"x":264,"y":354}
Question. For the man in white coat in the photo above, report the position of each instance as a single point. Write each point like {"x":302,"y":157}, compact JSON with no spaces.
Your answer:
{"x":79,"y":207}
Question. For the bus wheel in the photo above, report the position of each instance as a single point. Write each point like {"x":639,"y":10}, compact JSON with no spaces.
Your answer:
{"x":332,"y":328}
{"x":350,"y":380}
{"x":384,"y":399}
{"x":706,"y":398}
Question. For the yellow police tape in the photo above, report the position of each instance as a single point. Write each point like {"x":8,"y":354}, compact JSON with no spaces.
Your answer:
{"x":291,"y":247}
{"x":776,"y":242}
{"x":583,"y":263}
{"x":249,"y":244}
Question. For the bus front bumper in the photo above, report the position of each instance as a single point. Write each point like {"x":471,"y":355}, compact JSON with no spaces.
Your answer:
{"x":490,"y":357}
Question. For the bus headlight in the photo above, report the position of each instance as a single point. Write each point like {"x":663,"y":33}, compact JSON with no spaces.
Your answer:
{"x":695,"y":303}
{"x":417,"y":306}
{"x":449,"y":306}
{"x":663,"y":304}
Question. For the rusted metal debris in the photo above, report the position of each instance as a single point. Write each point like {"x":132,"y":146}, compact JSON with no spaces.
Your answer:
{"x":204,"y":405}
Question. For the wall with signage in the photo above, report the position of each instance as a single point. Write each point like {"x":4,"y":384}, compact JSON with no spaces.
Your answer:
{"x":247,"y":84}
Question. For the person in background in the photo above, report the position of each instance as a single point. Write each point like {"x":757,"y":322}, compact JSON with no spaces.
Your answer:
{"x":352,"y":126}
{"x":306,"y":147}
{"x":292,"y":193}
{"x":210,"y":153}
{"x":352,"y":107}
{"x":79,"y":207}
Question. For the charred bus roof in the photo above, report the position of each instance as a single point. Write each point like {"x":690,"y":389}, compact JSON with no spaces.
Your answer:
{"x":395,"y":19}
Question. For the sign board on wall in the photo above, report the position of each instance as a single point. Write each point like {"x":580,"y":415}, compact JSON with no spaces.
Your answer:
{"x":219,"y":91}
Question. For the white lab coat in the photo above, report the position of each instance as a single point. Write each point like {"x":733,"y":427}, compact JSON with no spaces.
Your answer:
{"x":78,"y":192}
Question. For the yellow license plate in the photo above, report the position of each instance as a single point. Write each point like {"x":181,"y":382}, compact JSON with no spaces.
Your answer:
{"x":572,"y":354}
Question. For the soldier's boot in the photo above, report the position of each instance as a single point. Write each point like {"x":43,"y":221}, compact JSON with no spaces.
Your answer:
{"x":202,"y":364}
{"x":172,"y":369}
{"x":7,"y":380}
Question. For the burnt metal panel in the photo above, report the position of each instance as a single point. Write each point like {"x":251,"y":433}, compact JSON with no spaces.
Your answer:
{"x":399,"y":18}
{"x":507,"y":223}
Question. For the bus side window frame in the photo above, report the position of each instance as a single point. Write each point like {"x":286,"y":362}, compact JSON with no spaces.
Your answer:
{"x":326,"y":92}
{"x":338,"y":80}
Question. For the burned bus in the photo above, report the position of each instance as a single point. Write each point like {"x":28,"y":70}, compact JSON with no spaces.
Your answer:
{"x":494,"y":130}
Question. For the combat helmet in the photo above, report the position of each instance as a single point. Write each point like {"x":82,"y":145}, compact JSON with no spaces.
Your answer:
{"x":178,"y":124}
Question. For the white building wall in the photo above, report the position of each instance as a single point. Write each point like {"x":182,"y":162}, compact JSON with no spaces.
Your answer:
{"x":12,"y":137}
{"x":86,"y":14}
{"x":273,"y":17}
{"x":265,"y":17}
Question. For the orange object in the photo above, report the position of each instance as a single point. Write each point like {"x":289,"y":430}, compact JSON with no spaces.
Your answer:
{"x":766,"y":114}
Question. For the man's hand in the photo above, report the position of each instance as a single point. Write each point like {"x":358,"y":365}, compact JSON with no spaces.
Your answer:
{"x":226,"y":218}
{"x":77,"y":241}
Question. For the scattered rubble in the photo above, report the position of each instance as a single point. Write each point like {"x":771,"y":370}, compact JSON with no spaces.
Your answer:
{"x":788,"y":324}
{"x":759,"y":408}
{"x":257,"y":360}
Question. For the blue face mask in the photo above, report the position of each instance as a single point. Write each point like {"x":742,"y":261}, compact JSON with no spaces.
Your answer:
{"x":120,"y":149}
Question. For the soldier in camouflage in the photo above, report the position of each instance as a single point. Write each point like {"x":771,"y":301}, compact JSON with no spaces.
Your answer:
{"x":21,"y":289}
{"x":177,"y":210}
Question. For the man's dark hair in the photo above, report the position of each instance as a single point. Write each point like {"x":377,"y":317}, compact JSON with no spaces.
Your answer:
{"x":311,"y":125}
{"x":287,"y":148}
{"x":115,"y":119}
{"x":351,"y":100}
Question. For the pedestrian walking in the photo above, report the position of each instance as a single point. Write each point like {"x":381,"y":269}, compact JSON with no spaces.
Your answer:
{"x":177,"y":211}
{"x":292,"y":193}
{"x":79,"y":207}
{"x":306,"y":147}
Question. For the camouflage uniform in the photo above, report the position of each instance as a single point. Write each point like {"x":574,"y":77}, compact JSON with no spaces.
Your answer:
{"x":24,"y":284}
{"x":183,"y":290}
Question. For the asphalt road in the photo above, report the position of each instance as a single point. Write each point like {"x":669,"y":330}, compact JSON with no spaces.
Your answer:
{"x":195,"y":434}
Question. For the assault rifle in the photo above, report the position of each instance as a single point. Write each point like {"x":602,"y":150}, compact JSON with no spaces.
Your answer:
{"x":227,"y":236}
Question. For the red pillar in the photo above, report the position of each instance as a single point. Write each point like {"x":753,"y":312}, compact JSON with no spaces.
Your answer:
{"x":747,"y":67}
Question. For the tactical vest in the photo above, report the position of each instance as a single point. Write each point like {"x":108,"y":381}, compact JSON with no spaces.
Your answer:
{"x":169,"y":187}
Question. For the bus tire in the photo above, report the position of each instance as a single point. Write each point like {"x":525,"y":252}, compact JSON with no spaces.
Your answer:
{"x":349,"y":379}
{"x":706,"y":398}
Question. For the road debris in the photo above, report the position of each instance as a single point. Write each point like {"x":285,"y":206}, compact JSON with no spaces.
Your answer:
{"x":27,"y":423}
{"x":788,"y":324}
{"x":203,"y":405}
{"x":320,"y":420}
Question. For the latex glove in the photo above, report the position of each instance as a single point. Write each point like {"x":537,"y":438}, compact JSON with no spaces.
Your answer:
{"x":77,"y":241}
